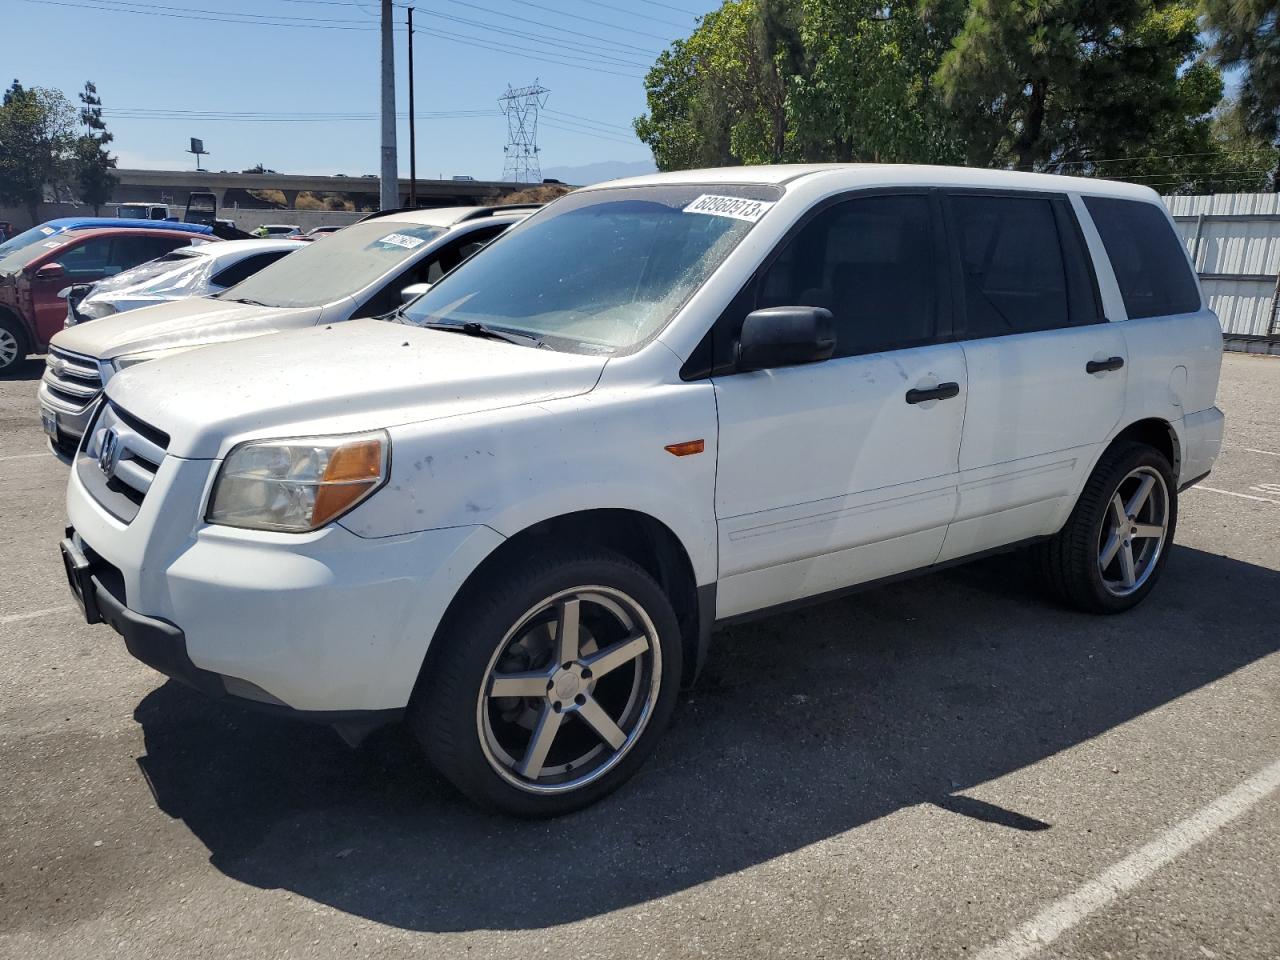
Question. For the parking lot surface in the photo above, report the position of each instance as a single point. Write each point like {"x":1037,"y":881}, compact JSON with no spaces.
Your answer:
{"x":947,"y":767}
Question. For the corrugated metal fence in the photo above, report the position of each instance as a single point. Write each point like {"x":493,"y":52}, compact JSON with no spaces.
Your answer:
{"x":1234,"y":242}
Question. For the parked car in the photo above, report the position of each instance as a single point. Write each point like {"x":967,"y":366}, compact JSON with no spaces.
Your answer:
{"x":324,"y":230}
{"x":185,"y":272}
{"x":47,"y":230}
{"x":144,"y":211}
{"x":363,"y":271}
{"x":514,"y":515}
{"x":279,"y":230}
{"x":32,"y":274}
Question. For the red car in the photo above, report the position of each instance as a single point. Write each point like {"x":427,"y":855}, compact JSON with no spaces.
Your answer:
{"x":30,"y":277}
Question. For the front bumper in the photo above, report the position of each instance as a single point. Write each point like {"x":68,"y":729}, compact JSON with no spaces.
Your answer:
{"x":163,"y":647}
{"x":326,"y":622}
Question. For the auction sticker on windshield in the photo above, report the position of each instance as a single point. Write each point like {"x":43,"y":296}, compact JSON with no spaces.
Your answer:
{"x":740,"y":208}
{"x":400,"y":240}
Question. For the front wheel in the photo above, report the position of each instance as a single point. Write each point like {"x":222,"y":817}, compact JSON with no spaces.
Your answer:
{"x":1111,"y":551}
{"x":551,"y":684}
{"x":13,"y":344}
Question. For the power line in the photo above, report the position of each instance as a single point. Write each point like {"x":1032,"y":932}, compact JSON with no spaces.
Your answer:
{"x":499,"y":47}
{"x":230,"y":18}
{"x":606,"y":52}
{"x":655,"y":3}
{"x":602,"y":123}
{"x":632,"y":13}
{"x":542,"y":23}
{"x":577,"y":16}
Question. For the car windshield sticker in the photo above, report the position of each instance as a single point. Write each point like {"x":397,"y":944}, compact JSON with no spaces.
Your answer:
{"x":740,"y":208}
{"x":46,"y":230}
{"x":54,"y":244}
{"x":400,"y":240}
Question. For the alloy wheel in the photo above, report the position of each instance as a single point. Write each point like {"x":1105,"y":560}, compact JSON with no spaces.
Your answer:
{"x":1133,"y":531}
{"x":8,"y":348}
{"x":569,"y":690}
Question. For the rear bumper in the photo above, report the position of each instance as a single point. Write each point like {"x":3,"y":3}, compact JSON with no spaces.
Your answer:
{"x":1201,"y":443}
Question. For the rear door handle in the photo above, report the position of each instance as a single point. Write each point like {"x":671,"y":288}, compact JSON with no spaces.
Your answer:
{"x":1098,"y":366}
{"x":943,"y":391}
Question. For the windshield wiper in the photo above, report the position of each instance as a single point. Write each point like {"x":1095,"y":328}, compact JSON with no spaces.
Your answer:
{"x":473,"y":329}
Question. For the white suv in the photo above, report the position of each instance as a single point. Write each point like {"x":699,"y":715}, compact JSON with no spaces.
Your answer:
{"x":515,"y":514}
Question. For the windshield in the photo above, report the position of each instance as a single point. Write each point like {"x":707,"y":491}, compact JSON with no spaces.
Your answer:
{"x":24,"y":239}
{"x":601,"y":271}
{"x":36,"y":243}
{"x":340,"y":267}
{"x":174,"y":271}
{"x":133,"y":213}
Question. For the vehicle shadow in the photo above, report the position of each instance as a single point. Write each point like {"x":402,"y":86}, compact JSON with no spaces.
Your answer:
{"x":806,"y":726}
{"x":30,"y":369}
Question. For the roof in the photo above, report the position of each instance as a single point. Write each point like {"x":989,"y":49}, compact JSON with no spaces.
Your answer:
{"x":854,"y":175}
{"x":75,"y":223}
{"x":448,"y":216}
{"x":239,"y":248}
{"x":125,"y":226}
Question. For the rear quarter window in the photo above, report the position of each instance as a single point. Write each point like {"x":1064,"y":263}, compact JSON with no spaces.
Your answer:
{"x":1148,"y":260}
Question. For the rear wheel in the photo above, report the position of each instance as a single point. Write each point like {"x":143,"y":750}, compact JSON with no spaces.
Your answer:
{"x":13,"y":344}
{"x":551,"y":683}
{"x":1111,"y":551}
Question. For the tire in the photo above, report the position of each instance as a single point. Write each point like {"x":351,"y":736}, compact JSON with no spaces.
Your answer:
{"x":1074,"y":564}
{"x":545,"y":749}
{"x":13,"y":344}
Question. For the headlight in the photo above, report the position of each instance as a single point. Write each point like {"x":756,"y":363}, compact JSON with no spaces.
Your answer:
{"x":298,"y":485}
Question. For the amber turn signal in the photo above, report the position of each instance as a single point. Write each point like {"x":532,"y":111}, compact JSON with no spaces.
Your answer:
{"x":686,"y":448}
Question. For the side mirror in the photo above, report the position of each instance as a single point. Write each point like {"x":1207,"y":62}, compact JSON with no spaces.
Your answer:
{"x":50,"y":271}
{"x":413,"y":291}
{"x":786,"y":337}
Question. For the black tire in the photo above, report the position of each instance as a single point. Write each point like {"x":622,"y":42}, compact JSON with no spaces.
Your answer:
{"x":449,"y":711}
{"x":1068,"y":564}
{"x":12,"y":335}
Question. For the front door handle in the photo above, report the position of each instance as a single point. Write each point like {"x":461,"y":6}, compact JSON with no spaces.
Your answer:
{"x":1099,"y":366}
{"x":943,"y":391}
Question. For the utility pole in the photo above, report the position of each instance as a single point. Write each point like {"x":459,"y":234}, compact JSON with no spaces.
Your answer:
{"x":413,"y":146}
{"x":389,"y":197}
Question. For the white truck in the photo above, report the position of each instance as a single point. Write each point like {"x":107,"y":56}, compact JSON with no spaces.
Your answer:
{"x":515,"y":513}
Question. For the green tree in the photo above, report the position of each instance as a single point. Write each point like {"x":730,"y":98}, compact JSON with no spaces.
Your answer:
{"x":93,"y":164}
{"x":867,"y":91}
{"x":1073,"y":84}
{"x":1247,"y":35}
{"x":37,"y":131}
{"x":763,"y":81}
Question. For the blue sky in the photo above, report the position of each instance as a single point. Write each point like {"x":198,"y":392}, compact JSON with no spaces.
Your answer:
{"x":183,"y":55}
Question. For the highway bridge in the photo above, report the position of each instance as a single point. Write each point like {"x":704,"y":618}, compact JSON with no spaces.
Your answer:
{"x":173,"y":186}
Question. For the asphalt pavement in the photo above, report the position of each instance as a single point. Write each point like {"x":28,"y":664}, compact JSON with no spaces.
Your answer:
{"x":947,"y":767}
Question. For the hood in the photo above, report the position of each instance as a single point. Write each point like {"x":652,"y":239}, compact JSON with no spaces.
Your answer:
{"x":179,"y":323}
{"x":344,"y":378}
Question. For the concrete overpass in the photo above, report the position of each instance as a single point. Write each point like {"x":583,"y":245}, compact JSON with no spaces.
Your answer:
{"x":175,"y":185}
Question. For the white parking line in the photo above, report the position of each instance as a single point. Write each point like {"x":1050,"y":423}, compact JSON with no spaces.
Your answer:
{"x":1267,"y":453}
{"x":15,"y":617}
{"x":1232,"y":493}
{"x":27,"y":456}
{"x":1108,"y":886}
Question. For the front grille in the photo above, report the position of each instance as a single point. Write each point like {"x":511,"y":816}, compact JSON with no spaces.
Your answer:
{"x":119,"y":459}
{"x":72,"y":379}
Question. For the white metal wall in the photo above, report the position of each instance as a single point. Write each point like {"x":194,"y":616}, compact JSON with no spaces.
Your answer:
{"x":1234,"y":241}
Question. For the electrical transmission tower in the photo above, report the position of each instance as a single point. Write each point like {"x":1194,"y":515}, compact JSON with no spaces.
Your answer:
{"x":521,"y":105}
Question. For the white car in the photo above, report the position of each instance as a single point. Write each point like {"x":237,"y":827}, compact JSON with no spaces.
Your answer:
{"x":186,"y":272}
{"x":515,"y":515}
{"x":365,"y":270}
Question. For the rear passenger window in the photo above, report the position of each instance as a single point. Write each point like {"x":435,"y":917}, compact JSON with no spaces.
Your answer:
{"x":1149,"y":263}
{"x":870,"y":262}
{"x":1011,"y":257}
